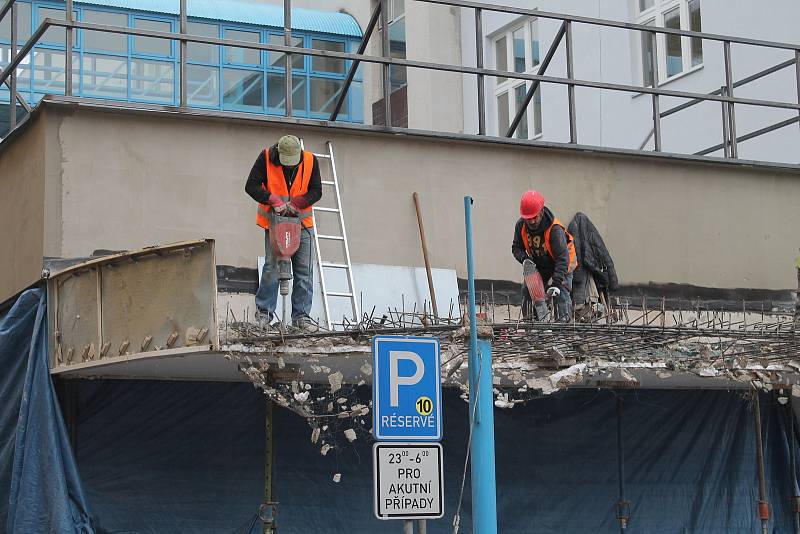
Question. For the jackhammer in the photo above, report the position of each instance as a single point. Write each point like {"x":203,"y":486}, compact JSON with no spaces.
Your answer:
{"x":284,"y":240}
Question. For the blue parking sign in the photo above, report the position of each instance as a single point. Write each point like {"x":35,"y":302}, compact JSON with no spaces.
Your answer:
{"x":406,"y":389}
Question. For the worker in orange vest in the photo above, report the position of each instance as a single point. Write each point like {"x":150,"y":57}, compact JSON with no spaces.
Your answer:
{"x":286,"y":179}
{"x":540,"y":237}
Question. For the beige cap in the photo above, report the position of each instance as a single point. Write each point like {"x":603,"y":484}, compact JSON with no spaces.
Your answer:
{"x":289,"y":150}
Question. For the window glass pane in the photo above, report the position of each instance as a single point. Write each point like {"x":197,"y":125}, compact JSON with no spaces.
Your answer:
{"x":672,"y":19}
{"x":23,"y":24}
{"x":537,"y":111}
{"x":202,"y":85}
{"x":152,"y":46}
{"x":519,"y":49}
{"x":535,"y":43}
{"x":243,"y":89}
{"x":645,"y":4}
{"x":502,"y":114}
{"x":324,"y":64}
{"x":398,"y":9}
{"x":53,"y":36}
{"x":276,"y":58}
{"x":500,"y":55}
{"x":23,"y":71}
{"x":105,"y":76}
{"x":108,"y":42}
{"x":695,"y":25}
{"x":276,"y":94}
{"x":204,"y":53}
{"x":324,"y":94}
{"x":243,"y":56}
{"x":519,"y":100}
{"x":48,"y":71}
{"x":647,"y":57}
{"x":152,"y":80}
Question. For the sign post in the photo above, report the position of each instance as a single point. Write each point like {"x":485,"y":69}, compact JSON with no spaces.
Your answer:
{"x":408,"y":469}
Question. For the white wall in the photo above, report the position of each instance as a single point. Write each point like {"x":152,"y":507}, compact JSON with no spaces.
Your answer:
{"x":623,"y":120}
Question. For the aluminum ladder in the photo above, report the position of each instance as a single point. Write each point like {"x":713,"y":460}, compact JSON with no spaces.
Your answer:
{"x":322,"y":264}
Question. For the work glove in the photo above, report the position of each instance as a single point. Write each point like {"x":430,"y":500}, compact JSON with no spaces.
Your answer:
{"x":290,"y":210}
{"x":278,"y":205}
{"x":553,"y":292}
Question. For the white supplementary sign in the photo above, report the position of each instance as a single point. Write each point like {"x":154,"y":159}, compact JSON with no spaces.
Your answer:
{"x":408,"y":480}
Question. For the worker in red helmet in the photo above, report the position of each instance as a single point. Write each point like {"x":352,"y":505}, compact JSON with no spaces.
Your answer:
{"x":540,"y":237}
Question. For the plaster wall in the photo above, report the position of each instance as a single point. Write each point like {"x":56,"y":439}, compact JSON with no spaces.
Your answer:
{"x":132,"y":179}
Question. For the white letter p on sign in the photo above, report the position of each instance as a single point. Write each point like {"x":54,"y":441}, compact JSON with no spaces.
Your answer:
{"x":395,"y":381}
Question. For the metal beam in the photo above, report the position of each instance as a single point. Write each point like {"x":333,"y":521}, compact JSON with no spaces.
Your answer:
{"x":386,"y":53}
{"x":656,"y":104}
{"x":389,"y":61}
{"x":743,"y":81}
{"x":751,"y":135}
{"x":12,"y":110}
{"x":479,"y":64}
{"x":183,"y":87}
{"x":611,"y":23}
{"x":362,"y":47}
{"x":562,"y":30}
{"x":68,"y":38}
{"x":20,"y":98}
{"x":287,"y":41}
{"x":573,"y":127}
{"x":729,"y":90}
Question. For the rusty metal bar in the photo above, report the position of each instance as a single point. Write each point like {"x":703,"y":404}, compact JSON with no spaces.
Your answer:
{"x":425,"y":256}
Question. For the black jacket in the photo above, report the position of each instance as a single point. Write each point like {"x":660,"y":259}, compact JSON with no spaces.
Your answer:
{"x":258,"y":176}
{"x":592,"y":252}
{"x":556,"y":267}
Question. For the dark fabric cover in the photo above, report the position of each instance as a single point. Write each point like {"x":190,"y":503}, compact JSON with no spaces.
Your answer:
{"x":40,"y":490}
{"x":593,"y":255}
{"x":188,"y":457}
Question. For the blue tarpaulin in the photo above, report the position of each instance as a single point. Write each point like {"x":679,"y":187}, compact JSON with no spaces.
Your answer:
{"x":40,"y":490}
{"x":160,"y":457}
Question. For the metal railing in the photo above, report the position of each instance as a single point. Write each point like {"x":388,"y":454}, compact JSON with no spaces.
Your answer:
{"x":725,"y":95}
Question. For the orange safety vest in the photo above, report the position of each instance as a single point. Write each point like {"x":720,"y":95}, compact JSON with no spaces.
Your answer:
{"x":277,"y":186}
{"x":573,"y":257}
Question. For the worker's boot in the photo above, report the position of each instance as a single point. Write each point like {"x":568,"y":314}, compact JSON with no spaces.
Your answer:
{"x":306,"y":325}
{"x":264,"y":322}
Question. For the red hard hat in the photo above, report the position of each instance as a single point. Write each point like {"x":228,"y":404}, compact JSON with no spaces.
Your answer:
{"x":531,"y":204}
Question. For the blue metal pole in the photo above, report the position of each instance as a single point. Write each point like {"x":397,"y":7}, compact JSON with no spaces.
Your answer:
{"x":484,"y":494}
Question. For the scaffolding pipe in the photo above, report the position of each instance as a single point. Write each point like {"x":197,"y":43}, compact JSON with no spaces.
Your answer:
{"x":484,"y":494}
{"x":68,"y":41}
{"x":12,"y":110}
{"x":793,"y":467}
{"x":623,"y":506}
{"x":183,"y":91}
{"x":479,"y":64}
{"x":287,"y":41}
{"x":386,"y":53}
{"x":763,"y":506}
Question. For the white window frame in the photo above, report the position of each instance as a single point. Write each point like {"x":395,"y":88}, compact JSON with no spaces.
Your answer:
{"x":509,"y":85}
{"x":655,"y":16}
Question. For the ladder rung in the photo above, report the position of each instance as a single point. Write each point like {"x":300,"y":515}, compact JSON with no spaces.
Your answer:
{"x":339,"y":294}
{"x":329,"y":210}
{"x":326,"y":156}
{"x":328,"y":182}
{"x":334,"y":265}
{"x":333,"y":237}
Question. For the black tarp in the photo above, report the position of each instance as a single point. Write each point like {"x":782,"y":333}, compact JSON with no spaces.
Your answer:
{"x":188,"y":457}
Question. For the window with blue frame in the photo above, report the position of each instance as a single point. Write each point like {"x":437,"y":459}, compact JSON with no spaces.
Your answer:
{"x":146,"y":69}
